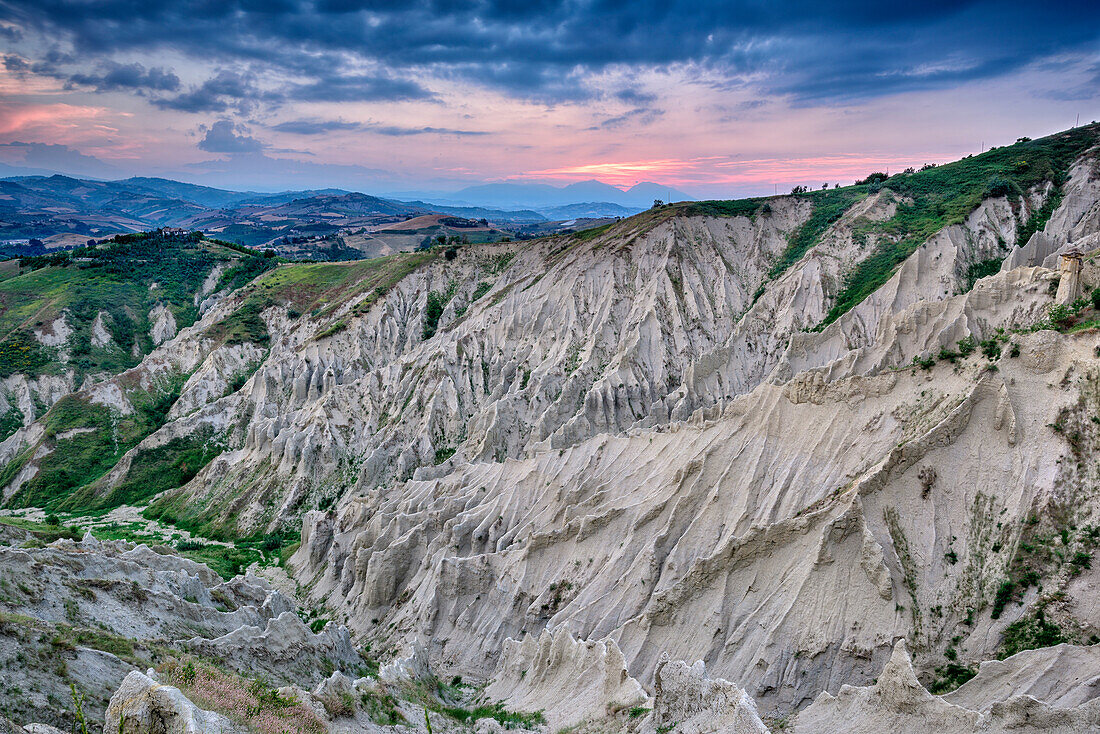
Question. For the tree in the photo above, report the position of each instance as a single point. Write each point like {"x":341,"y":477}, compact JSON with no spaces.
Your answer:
{"x":876,"y":177}
{"x":658,"y":203}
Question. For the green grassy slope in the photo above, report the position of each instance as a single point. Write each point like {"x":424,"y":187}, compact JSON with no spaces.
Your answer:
{"x":124,"y":279}
{"x":86,"y":440}
{"x":947,"y":194}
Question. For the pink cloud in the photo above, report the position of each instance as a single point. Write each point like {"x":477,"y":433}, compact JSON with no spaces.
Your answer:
{"x":54,"y":122}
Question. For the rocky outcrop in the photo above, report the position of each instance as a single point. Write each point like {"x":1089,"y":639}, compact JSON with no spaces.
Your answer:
{"x":782,"y":471}
{"x":143,"y":706}
{"x":643,"y":538}
{"x":87,"y":612}
{"x":1063,"y":676}
{"x":897,"y":702}
{"x":56,"y":333}
{"x":570,"y":681}
{"x":285,"y":649}
{"x":408,"y":668}
{"x":41,"y":729}
{"x":689,"y":701}
{"x":162,"y":324}
{"x":101,"y":335}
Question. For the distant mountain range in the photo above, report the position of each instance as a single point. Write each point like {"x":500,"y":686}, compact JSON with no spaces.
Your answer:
{"x":64,"y":210}
{"x":542,"y":197}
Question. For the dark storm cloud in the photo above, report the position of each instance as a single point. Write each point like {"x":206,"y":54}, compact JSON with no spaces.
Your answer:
{"x":358,"y":88}
{"x":216,"y":94}
{"x":114,"y":76}
{"x":107,"y":76}
{"x":635,"y":96}
{"x":814,"y":52}
{"x":225,"y":137}
{"x":16,"y":64}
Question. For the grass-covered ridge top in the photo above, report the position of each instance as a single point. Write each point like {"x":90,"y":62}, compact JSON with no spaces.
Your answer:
{"x":932,"y":198}
{"x":940,"y":196}
{"x":316,"y":289}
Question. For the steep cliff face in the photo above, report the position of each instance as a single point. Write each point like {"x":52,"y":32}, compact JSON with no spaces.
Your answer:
{"x":821,"y":463}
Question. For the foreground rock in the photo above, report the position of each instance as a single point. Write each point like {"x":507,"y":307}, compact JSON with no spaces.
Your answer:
{"x":89,"y":612}
{"x":144,"y":706}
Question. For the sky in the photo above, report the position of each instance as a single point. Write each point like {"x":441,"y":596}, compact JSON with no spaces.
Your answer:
{"x":718,"y":99}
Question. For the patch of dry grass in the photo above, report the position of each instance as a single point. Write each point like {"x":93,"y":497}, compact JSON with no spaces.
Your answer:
{"x":253,"y":703}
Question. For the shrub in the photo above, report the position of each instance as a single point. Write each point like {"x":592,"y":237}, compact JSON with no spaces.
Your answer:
{"x":999,"y":186}
{"x":876,"y":177}
{"x":1004,"y":595}
{"x":1082,"y":559}
{"x":432,"y":313}
{"x":483,"y":288}
{"x":339,"y":704}
{"x":1095,"y":298}
{"x":982,"y":269}
{"x":255,"y":702}
{"x":925,"y":363}
{"x":1030,"y":633}
{"x":951,"y":676}
{"x":990,"y":348}
{"x":1060,"y":316}
{"x":382,"y":708}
